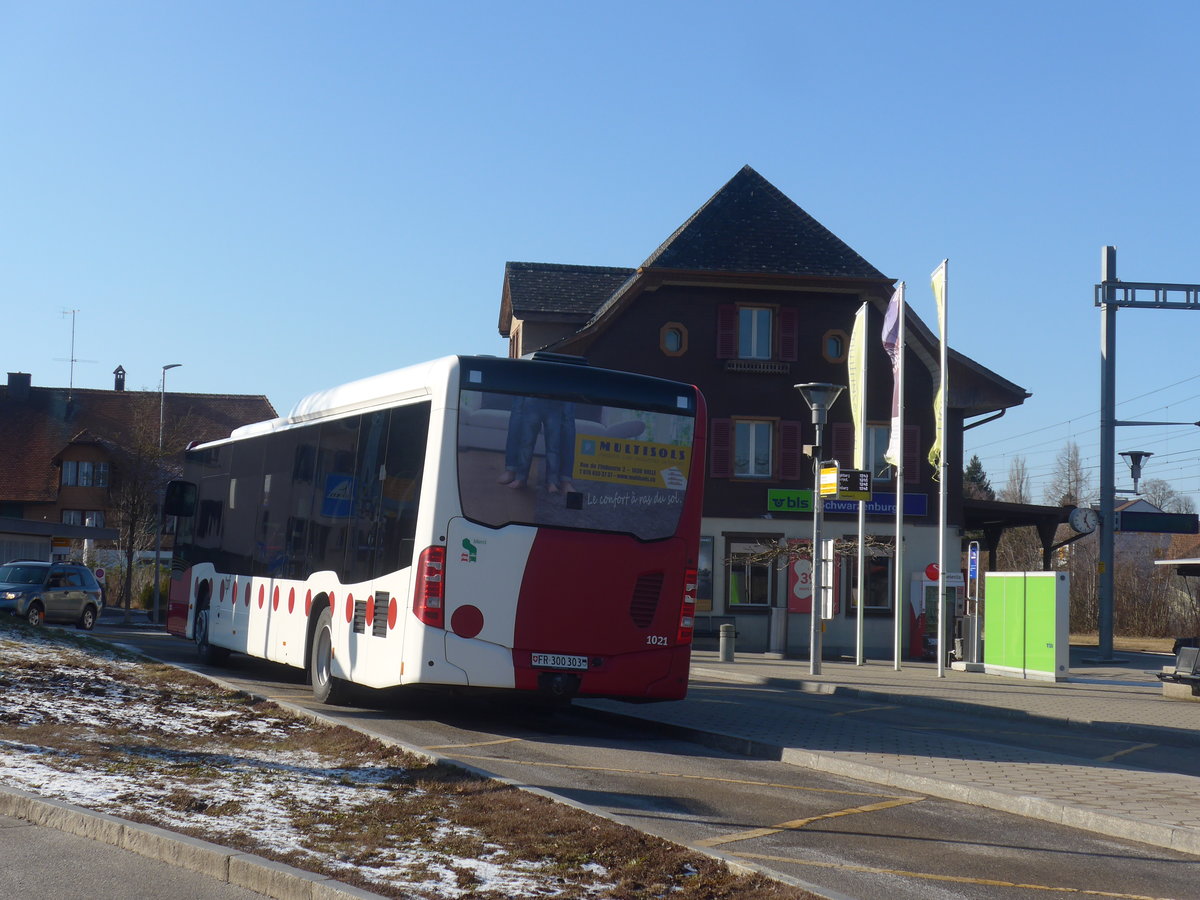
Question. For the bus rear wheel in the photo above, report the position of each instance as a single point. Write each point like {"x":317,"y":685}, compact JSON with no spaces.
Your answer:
{"x":326,"y":687}
{"x":206,"y":653}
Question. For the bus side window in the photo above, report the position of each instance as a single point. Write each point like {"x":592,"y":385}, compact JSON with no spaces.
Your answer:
{"x":403,"y":470}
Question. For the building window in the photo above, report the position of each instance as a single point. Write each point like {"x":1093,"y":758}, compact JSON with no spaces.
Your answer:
{"x":94,"y":518}
{"x":72,"y":516}
{"x":879,"y":588}
{"x":673,"y":339}
{"x":835,"y":346}
{"x":704,"y":575}
{"x":755,"y":448}
{"x":877,"y":437}
{"x":877,"y":444}
{"x":750,"y":582}
{"x":754,"y":333}
{"x":84,"y":474}
{"x":757,"y":333}
{"x":752,"y":449}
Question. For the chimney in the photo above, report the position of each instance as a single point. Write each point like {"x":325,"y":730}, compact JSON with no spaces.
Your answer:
{"x":119,"y":380}
{"x":18,"y":385}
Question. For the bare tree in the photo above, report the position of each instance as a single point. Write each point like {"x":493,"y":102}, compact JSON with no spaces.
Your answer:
{"x":1016,"y":490}
{"x":1165,"y":497}
{"x":1020,"y":549}
{"x":1071,"y":484}
{"x":140,"y":472}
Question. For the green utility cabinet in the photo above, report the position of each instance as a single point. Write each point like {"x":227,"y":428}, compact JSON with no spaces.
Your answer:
{"x":1026,"y":618}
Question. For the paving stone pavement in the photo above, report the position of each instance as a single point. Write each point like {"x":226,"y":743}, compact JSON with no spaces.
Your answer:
{"x":1120,"y":698}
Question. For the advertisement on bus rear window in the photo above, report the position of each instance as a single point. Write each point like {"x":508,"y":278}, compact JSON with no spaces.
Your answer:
{"x":543,"y":461}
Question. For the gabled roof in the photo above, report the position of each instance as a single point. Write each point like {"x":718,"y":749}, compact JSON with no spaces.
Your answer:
{"x":750,"y":226}
{"x":40,"y":426}
{"x":565,"y":293}
{"x":748,"y":231}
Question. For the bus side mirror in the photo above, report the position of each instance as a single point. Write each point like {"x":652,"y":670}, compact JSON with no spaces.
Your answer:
{"x":180,"y":499}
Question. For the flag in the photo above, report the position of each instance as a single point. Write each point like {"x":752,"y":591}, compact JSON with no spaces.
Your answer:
{"x":892,"y":344}
{"x":856,"y":363}
{"x":938,"y":282}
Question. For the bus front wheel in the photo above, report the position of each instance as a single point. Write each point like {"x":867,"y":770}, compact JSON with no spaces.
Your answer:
{"x":326,"y":687}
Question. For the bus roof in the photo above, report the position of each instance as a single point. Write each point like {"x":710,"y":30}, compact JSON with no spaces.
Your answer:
{"x":412,"y":382}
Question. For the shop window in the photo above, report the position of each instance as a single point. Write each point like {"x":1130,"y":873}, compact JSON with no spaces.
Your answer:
{"x":879,"y":587}
{"x":750,"y":582}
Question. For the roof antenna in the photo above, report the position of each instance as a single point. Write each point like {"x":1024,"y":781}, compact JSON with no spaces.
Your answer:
{"x":71,"y":383}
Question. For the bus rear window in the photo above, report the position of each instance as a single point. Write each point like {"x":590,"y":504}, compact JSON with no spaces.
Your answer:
{"x":556,"y":462}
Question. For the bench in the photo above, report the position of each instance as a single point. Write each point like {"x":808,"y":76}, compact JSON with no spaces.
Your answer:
{"x":1185,"y":672}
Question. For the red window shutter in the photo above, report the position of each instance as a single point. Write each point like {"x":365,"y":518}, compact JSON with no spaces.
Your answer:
{"x":720,"y":449}
{"x":841,"y":444}
{"x":791,"y":451}
{"x":789,"y":334}
{"x":914,"y":454}
{"x":727,"y":316}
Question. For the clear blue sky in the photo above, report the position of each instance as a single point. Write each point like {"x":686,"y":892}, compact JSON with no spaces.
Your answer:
{"x":283,"y":196}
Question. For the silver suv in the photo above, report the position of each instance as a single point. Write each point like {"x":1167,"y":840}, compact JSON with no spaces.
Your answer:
{"x":51,"y":592}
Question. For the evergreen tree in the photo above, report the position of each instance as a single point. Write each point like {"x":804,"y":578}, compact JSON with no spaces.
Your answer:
{"x":976,"y":485}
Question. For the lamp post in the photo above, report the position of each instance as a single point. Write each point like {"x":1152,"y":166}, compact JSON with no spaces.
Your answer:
{"x":819,"y":396}
{"x":158,"y":534}
{"x":1135,"y":458}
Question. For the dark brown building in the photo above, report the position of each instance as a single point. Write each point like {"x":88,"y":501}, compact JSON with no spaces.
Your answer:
{"x":749,"y":297}
{"x":62,"y":452}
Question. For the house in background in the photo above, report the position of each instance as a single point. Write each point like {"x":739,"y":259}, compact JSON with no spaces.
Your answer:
{"x":747,"y":298}
{"x":63,"y":448}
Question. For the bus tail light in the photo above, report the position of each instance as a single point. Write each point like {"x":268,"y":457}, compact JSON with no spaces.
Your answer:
{"x":687,"y":609}
{"x":430,"y":592}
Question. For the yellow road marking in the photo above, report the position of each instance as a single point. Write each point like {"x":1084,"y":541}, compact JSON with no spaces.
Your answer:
{"x":800,"y":823}
{"x":854,"y":712}
{"x":476,"y":744}
{"x":682,"y":775}
{"x":1133,"y":749}
{"x":958,"y":879}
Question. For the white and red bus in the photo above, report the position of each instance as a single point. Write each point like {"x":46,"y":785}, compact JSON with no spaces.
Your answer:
{"x":529,"y":524}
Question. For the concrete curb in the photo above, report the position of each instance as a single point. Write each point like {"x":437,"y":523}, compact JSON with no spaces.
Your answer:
{"x":1152,"y":733}
{"x":1183,"y":840}
{"x":234,"y":867}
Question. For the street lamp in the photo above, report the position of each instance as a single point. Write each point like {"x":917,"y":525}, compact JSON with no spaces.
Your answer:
{"x":158,"y":534}
{"x":1135,"y":458}
{"x":819,"y":396}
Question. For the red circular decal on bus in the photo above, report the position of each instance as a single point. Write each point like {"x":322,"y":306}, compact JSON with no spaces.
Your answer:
{"x":224,"y":585}
{"x":467,"y":621}
{"x":349,"y":607}
{"x":275,"y":598}
{"x":393,"y":611}
{"x":370,"y":614}
{"x":247,"y":593}
{"x":291,"y":599}
{"x":262,"y":595}
{"x":332,"y":603}
{"x":308,"y":603}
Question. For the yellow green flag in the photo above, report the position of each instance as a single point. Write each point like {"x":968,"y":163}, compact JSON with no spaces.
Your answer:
{"x":856,"y":362}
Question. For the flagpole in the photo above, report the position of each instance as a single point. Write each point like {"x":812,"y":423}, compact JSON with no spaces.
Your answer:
{"x":943,"y":469}
{"x":898,"y":567}
{"x":860,"y":462}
